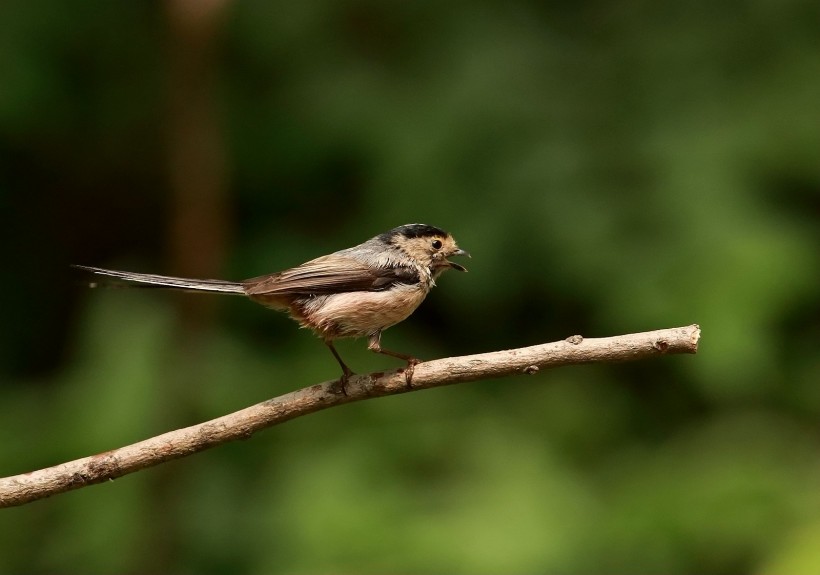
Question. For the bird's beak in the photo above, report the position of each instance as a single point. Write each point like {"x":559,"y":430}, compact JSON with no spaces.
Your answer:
{"x":455,"y":266}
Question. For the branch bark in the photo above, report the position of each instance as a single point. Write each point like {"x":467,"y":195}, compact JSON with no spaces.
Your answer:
{"x":27,"y":487}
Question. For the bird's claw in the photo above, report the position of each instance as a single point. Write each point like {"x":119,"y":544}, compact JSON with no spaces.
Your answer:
{"x":340,"y":385}
{"x":409,"y":370}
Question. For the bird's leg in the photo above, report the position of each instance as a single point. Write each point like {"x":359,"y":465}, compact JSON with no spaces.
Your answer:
{"x":346,"y":371}
{"x":374,"y":344}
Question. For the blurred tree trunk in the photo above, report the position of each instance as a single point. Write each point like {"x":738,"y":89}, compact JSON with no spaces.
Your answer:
{"x":199,"y":227}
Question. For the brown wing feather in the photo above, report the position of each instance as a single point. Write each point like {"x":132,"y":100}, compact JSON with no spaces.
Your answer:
{"x":329,"y":274}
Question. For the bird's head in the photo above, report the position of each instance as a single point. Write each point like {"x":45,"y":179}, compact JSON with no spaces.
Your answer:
{"x":429,"y":246}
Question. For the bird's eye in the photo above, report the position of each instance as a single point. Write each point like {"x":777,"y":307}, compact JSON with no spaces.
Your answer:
{"x":436,"y":244}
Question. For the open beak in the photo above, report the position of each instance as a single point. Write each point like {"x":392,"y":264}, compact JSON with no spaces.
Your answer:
{"x":455,"y":266}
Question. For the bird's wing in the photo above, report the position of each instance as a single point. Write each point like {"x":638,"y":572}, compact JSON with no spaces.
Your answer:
{"x":331,"y":274}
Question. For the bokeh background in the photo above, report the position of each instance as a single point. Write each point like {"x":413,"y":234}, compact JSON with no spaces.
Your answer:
{"x":613,"y":167}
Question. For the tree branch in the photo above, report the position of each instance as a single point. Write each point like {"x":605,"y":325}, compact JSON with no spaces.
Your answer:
{"x":27,"y":487}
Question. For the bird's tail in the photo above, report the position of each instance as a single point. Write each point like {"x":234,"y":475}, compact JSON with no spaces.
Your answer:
{"x":151,"y":280}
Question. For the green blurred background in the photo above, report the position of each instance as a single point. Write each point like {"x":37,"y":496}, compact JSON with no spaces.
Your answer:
{"x":613,"y":167}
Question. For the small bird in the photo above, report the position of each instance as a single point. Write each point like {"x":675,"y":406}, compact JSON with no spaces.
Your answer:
{"x":355,"y":292}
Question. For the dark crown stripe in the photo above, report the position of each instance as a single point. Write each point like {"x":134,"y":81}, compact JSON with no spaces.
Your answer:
{"x":414,"y":231}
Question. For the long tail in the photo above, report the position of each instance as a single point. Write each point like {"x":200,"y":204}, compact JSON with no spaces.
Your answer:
{"x":150,"y":280}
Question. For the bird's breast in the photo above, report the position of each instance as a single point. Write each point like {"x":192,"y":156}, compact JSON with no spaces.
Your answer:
{"x":356,"y":314}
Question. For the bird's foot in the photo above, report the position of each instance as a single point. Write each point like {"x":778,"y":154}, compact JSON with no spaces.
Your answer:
{"x":340,"y":385}
{"x":412,"y":362}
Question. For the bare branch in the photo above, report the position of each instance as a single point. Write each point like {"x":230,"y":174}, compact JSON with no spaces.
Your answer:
{"x":27,"y":487}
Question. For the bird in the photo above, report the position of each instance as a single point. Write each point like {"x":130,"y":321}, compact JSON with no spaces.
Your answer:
{"x":355,"y":292}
